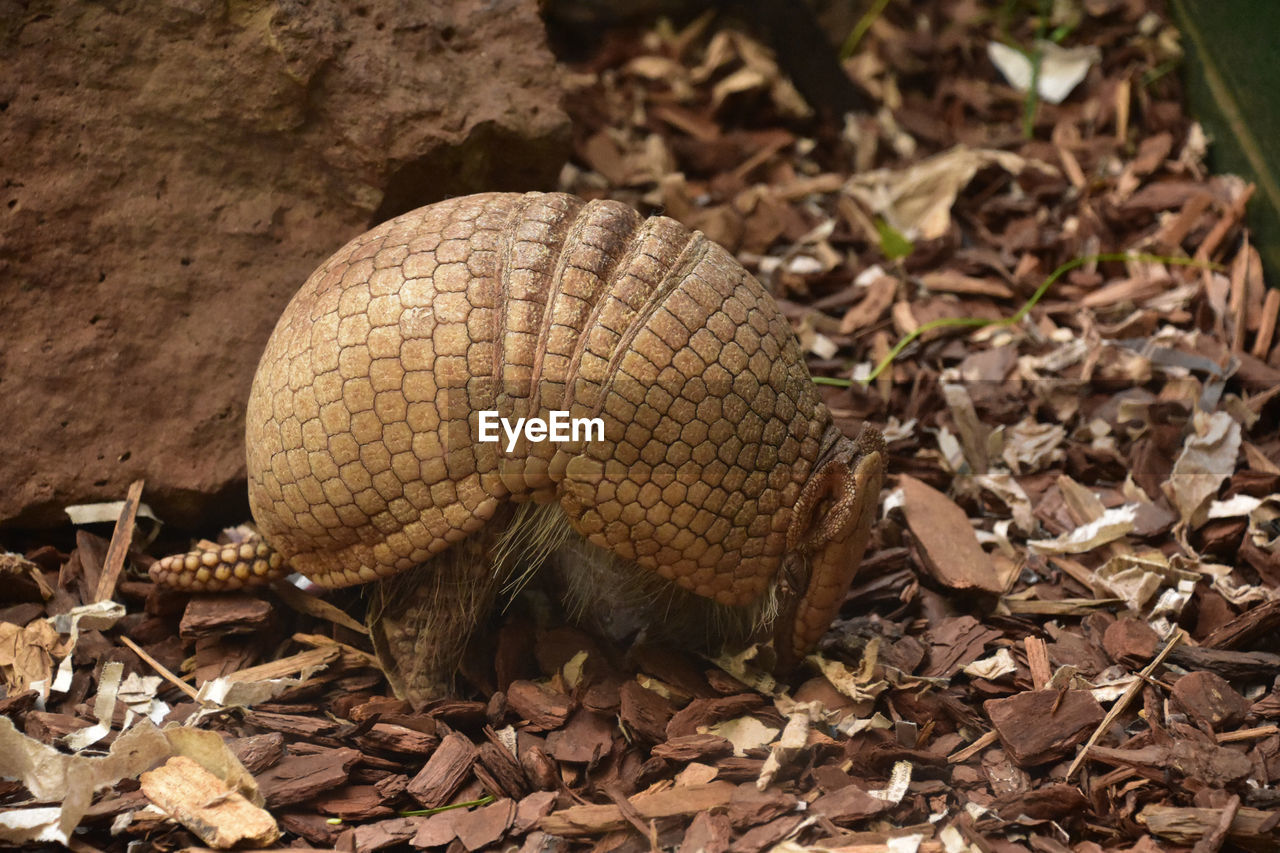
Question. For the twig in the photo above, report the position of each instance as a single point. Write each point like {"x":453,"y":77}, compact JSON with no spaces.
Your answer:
{"x":1123,"y":702}
{"x":160,"y":668}
{"x":1038,"y":662}
{"x":121,"y":538}
{"x":1247,"y":734}
{"x":973,"y":749}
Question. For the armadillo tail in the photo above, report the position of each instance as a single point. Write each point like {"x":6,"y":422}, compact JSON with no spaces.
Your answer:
{"x":222,"y":568}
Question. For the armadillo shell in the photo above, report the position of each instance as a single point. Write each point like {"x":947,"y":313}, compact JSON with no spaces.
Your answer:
{"x":363,"y":433}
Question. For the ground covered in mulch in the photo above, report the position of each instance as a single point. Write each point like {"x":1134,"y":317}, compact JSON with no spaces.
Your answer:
{"x":1064,"y":635}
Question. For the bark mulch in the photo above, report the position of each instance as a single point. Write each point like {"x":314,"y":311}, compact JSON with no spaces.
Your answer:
{"x":1064,"y":635}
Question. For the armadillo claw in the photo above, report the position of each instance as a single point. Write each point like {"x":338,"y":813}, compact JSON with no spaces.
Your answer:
{"x":222,"y":568}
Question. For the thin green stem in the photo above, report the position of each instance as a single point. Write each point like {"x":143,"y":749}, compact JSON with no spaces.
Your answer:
{"x":1018,"y":316}
{"x":831,"y":380}
{"x":1032,"y":102}
{"x":860,"y":29}
{"x":483,"y":801}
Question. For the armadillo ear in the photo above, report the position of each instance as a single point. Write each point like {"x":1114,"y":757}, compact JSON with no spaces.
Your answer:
{"x":843,"y":516}
{"x":832,"y":485}
{"x":837,"y":495}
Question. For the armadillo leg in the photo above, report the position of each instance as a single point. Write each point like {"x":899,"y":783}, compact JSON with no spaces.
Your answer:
{"x":421,"y":621}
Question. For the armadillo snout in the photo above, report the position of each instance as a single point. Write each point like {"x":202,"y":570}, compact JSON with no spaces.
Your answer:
{"x":828,"y":535}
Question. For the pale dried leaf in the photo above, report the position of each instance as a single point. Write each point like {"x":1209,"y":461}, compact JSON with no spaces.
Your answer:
{"x":973,"y":432}
{"x":1030,"y":446}
{"x":917,"y":200}
{"x":1264,"y":524}
{"x":999,"y":664}
{"x":1061,"y":68}
{"x":1208,"y":458}
{"x":1010,"y":491}
{"x":27,"y":654}
{"x":104,"y":706}
{"x":1113,"y":524}
{"x":1137,"y":578}
{"x":105,"y":512}
{"x":849,"y":683}
{"x":139,"y":693}
{"x":226,"y":692}
{"x":71,"y":780}
{"x":1235,"y":506}
{"x":744,"y":733}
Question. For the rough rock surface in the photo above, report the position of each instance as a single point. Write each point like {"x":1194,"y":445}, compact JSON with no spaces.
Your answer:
{"x":173,"y":172}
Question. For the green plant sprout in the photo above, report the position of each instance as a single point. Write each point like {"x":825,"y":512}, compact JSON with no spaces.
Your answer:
{"x":483,"y":801}
{"x":1017,"y":316}
{"x":1035,"y":56}
{"x":860,"y":29}
{"x":894,"y":245}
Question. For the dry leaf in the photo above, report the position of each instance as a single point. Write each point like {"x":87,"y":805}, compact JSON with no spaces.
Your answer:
{"x":27,"y":654}
{"x":1208,"y":458}
{"x":1007,"y":489}
{"x":1112,"y":524}
{"x":1061,"y":68}
{"x":71,"y":780}
{"x":999,"y":664}
{"x":1264,"y":524}
{"x":1030,"y":446}
{"x":917,"y":200}
{"x":744,"y":733}
{"x":1137,"y":578}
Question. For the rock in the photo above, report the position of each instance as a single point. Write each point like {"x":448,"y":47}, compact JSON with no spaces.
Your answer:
{"x":174,"y":172}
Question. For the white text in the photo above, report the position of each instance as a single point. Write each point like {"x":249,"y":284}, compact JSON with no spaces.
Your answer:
{"x":558,"y":427}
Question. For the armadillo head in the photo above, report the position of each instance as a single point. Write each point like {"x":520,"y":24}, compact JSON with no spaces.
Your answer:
{"x":828,"y":534}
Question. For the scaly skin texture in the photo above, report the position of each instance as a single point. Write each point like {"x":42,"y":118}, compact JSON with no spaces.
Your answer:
{"x":720,"y":469}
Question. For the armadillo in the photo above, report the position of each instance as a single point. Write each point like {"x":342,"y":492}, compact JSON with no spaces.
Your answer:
{"x":714,"y":472}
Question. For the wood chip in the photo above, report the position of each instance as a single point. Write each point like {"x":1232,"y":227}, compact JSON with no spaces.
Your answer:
{"x":222,"y":615}
{"x":584,"y":739}
{"x":1250,"y":828}
{"x":693,"y":748}
{"x":590,"y":820}
{"x":201,"y":802}
{"x":1042,"y":725}
{"x":848,"y":804}
{"x":948,"y":546}
{"x":121,"y":538}
{"x":644,"y":712}
{"x":484,"y":826}
{"x":545,"y":709}
{"x":442,"y":776}
{"x":301,"y":777}
{"x":1209,"y":698}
